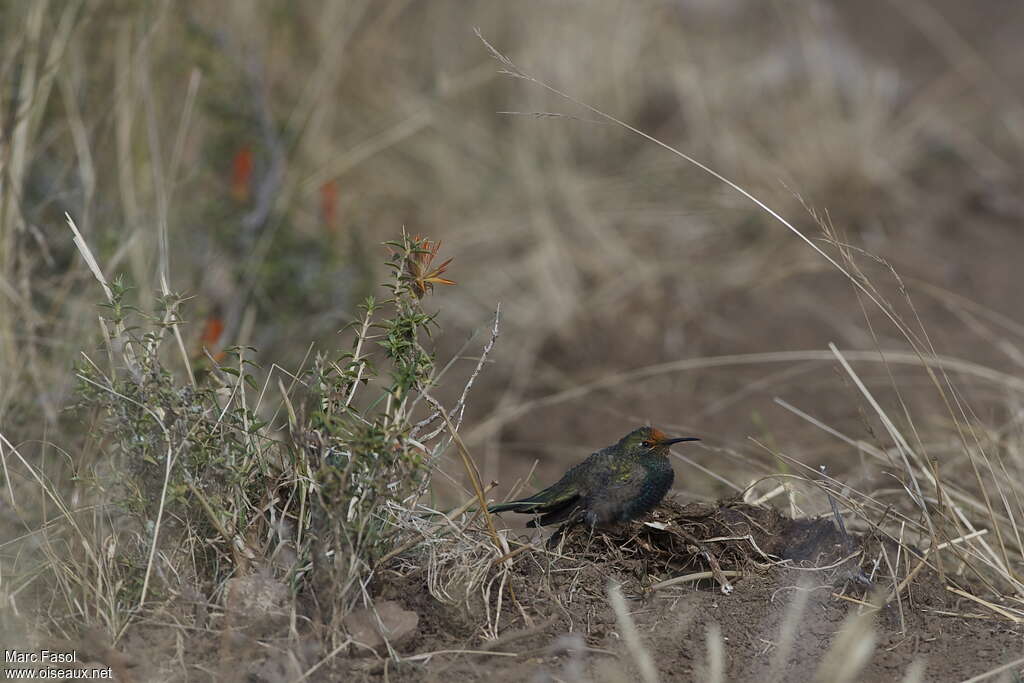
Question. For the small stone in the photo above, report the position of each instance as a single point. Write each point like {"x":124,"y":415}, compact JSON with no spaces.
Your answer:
{"x":255,"y":596}
{"x":387,"y":619}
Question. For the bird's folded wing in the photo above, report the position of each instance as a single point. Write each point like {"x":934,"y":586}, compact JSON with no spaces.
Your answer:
{"x":626,"y":476}
{"x":555,"y":496}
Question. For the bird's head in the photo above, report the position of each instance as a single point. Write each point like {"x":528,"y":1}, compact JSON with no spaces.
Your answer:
{"x":649,"y":441}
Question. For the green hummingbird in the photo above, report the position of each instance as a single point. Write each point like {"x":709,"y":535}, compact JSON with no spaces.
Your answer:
{"x":616,"y":484}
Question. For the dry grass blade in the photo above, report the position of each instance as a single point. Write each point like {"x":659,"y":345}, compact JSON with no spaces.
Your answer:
{"x":951,"y":496}
{"x":426,"y":656}
{"x":474,"y":477}
{"x":460,"y":405}
{"x":915,"y":672}
{"x":90,"y":260}
{"x":897,"y":591}
{"x":991,"y":673}
{"x":512,"y":70}
{"x":890,"y":356}
{"x":514,"y":636}
{"x":904,"y":447}
{"x":851,"y":650}
{"x":788,"y":633}
{"x":995,"y":608}
{"x":420,"y":536}
{"x":716,"y":654}
{"x":630,"y":635}
{"x":328,"y":657}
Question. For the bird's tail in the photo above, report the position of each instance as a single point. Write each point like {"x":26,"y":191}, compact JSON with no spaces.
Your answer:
{"x":554,"y":496}
{"x":526,"y":505}
{"x":570,"y":512}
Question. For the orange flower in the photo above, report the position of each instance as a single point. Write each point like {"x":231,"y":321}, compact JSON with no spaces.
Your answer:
{"x":418,"y":267}
{"x":329,"y":204}
{"x":241,"y":174}
{"x":213,"y":330}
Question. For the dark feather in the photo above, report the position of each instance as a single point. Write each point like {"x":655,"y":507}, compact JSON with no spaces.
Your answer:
{"x":552,"y":499}
{"x":558,"y":515}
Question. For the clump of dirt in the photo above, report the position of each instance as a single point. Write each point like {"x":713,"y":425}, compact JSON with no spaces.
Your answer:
{"x":730,"y":536}
{"x":744,"y":569}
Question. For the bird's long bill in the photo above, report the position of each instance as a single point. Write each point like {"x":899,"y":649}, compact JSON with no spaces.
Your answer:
{"x":669,"y":442}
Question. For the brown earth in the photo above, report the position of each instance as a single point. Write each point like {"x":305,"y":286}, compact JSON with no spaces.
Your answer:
{"x":566,"y":629}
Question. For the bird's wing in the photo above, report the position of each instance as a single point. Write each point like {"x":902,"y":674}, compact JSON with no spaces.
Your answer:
{"x":626,"y":477}
{"x":604,"y":470}
{"x":564,"y":492}
{"x":622,"y":482}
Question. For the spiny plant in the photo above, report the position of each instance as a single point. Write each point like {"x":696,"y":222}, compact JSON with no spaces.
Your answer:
{"x":219,"y":485}
{"x":363,"y":455}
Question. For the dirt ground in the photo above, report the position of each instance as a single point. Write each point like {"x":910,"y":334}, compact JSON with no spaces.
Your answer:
{"x":567,"y":631}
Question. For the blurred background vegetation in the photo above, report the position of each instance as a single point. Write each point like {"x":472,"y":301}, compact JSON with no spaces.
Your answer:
{"x":256,"y":155}
{"x":253,"y":157}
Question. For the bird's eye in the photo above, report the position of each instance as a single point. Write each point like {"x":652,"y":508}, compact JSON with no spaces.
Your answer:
{"x":647,"y":444}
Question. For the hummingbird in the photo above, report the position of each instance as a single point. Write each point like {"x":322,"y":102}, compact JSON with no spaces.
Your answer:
{"x":616,"y":484}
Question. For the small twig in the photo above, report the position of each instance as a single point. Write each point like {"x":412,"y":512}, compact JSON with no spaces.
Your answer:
{"x":510,"y":555}
{"x":749,"y":538}
{"x":514,"y":493}
{"x":909,"y":577}
{"x":469,"y":503}
{"x":522,"y":634}
{"x":331,"y":655}
{"x":995,"y":608}
{"x":421,"y":536}
{"x":460,"y":405}
{"x":835,"y":564}
{"x":894,"y":572}
{"x":855,"y":601}
{"x":716,"y":569}
{"x":471,"y":471}
{"x":761,"y":500}
{"x":416,"y":540}
{"x":427,"y":655}
{"x":961,"y":539}
{"x":964,"y":615}
{"x":697,"y":576}
{"x":357,"y":358}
